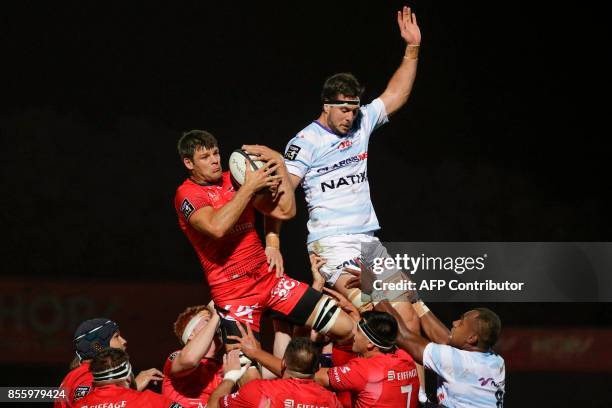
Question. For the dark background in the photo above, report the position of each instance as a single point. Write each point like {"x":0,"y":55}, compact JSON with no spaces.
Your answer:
{"x":502,"y":138}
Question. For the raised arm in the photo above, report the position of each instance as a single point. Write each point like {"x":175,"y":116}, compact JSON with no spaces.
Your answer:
{"x":435,"y":330}
{"x":193,"y":352}
{"x":412,"y":343}
{"x":218,"y":222}
{"x":399,"y":87}
{"x":251,"y":348}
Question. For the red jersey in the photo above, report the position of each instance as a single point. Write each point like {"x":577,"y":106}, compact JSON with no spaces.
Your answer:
{"x":77,"y":384}
{"x":115,"y":396}
{"x":385,"y":380}
{"x":286,"y":392}
{"x":193,"y":389}
{"x":239,"y":252}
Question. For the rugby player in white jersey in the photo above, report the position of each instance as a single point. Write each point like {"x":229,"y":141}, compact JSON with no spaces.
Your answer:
{"x":329,"y":159}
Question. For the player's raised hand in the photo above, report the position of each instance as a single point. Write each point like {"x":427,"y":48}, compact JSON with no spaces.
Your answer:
{"x":408,"y":26}
{"x":263,"y":153}
{"x":246,"y":342}
{"x":275,"y":261}
{"x":316,"y":262}
{"x":146,"y":376}
{"x":344,"y":303}
{"x":231,"y":361}
{"x":261,"y":178}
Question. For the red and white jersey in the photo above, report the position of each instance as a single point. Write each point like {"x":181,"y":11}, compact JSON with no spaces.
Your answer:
{"x":193,"y":389}
{"x":239,"y":252}
{"x":113,"y":395}
{"x":385,"y":380}
{"x":76,"y":385}
{"x":287,"y":392}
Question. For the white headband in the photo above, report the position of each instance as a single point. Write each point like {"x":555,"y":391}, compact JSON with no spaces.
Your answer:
{"x":190,"y":326}
{"x":122,"y":372}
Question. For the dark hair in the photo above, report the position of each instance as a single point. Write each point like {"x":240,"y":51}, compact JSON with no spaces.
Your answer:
{"x":184,"y":318}
{"x":193,"y":140}
{"x":343,"y":83}
{"x":489,"y":327}
{"x":302,"y":356}
{"x":107,"y":359}
{"x":383,"y":325}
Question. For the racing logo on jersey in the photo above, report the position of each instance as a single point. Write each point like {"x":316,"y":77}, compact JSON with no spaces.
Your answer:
{"x":343,"y":163}
{"x":344,"y":181}
{"x":288,"y":403}
{"x":283,"y":288}
{"x":345,"y":144}
{"x":187,"y":209}
{"x":81,"y":391}
{"x":292,"y":152}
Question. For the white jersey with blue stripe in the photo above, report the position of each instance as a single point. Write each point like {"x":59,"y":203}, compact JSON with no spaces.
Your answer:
{"x":334,"y":174}
{"x":466,"y":378}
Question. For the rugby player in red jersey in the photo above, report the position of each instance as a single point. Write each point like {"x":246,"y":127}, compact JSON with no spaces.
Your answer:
{"x":219,"y":221}
{"x":382,"y":376}
{"x":296,"y":388}
{"x":192,"y":373}
{"x":92,"y":336}
{"x":112,"y":378}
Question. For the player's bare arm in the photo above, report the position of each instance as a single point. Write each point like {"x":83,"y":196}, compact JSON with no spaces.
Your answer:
{"x":399,"y":87}
{"x":272,"y":227}
{"x":217,"y":222}
{"x":435,"y":330}
{"x":412,"y":343}
{"x":195,"y":349}
{"x":280,"y":204}
{"x":322,"y":377}
{"x":251,"y":348}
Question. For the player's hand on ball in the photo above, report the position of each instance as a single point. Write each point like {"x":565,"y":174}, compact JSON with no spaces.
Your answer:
{"x":146,"y":376}
{"x":263,"y":153}
{"x":262,"y":178}
{"x":275,"y":261}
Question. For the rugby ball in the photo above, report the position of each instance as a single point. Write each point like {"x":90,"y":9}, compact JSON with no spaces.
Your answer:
{"x":237,"y":165}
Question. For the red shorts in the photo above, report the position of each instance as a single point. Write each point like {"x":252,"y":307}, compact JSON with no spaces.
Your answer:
{"x":246,"y":298}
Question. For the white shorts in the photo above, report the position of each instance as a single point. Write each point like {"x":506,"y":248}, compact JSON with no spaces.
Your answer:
{"x":339,"y":251}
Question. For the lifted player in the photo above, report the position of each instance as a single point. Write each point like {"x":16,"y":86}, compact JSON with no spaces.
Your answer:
{"x":219,"y":221}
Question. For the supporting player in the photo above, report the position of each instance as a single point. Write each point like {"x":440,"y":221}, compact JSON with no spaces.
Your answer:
{"x":382,"y":376}
{"x":112,"y":384}
{"x":296,"y":388}
{"x":192,"y":373}
{"x":471,"y":374}
{"x":91,"y":337}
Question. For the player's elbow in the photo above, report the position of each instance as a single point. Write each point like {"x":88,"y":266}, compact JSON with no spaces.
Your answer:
{"x":285,"y":215}
{"x":212,"y":230}
{"x":188,"y":362}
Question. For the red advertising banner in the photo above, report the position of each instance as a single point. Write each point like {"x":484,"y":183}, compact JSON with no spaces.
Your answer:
{"x":38,"y":318}
{"x":572,"y":349}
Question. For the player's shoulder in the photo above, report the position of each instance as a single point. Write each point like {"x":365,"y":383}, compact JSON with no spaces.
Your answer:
{"x":311,"y":135}
{"x":173,"y":355}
